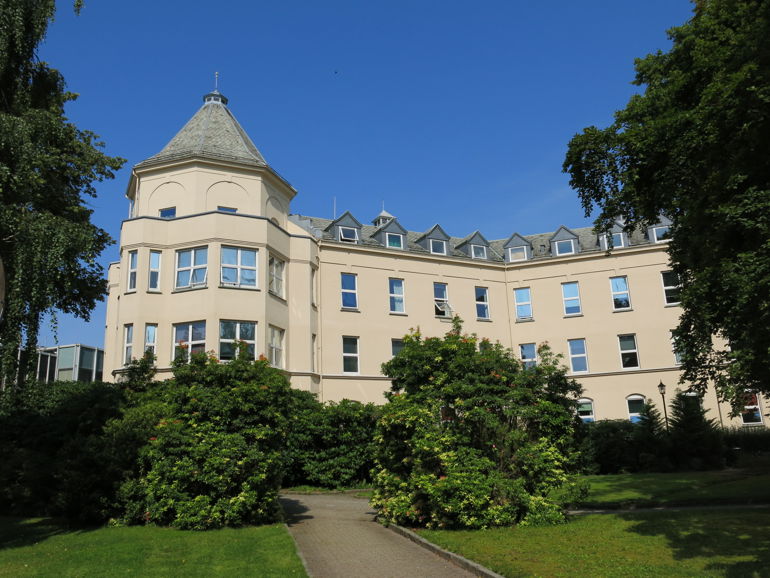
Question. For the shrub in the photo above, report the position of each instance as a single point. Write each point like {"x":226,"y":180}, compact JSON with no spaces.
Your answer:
{"x":696,"y":441}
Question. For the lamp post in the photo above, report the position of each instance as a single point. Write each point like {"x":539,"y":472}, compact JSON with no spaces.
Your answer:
{"x":662,"y":390}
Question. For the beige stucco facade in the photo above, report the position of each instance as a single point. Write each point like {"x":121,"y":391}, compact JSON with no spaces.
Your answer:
{"x":320,"y":301}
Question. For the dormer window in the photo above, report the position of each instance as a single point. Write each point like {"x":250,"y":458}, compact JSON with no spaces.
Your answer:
{"x":348,"y":234}
{"x":517,"y":254}
{"x":566,"y":247}
{"x":661,"y":234}
{"x":394,"y":240}
{"x":478,"y":251}
{"x":167,"y":213}
{"x":617,"y":240}
{"x":438,"y":247}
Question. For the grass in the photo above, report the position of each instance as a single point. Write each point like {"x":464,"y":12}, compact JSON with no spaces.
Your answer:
{"x":364,"y":491}
{"x":41,"y":547}
{"x":671,"y":543}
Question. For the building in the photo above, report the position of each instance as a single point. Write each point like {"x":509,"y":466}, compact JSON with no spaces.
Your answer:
{"x":211,"y":254}
{"x":69,"y":363}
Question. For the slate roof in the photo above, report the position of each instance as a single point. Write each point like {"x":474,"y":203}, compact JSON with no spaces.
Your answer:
{"x":212,"y":133}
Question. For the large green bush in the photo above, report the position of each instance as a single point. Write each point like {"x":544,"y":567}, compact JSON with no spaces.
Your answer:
{"x":471,"y":439}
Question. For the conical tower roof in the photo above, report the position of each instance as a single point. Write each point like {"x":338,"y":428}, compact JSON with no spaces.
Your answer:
{"x":212,"y":133}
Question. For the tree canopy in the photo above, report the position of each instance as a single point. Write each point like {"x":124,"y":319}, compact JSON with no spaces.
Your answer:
{"x":694,"y":148}
{"x":48,"y":168}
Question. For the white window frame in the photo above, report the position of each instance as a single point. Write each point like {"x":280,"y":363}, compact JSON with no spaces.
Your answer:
{"x":574,"y":356}
{"x":350,"y":356}
{"x":438,"y":242}
{"x":523,"y":303}
{"x":275,"y":346}
{"x":151,"y":338}
{"x":526,"y":361}
{"x":239,"y":267}
{"x":521,"y":250}
{"x":634,"y":350}
{"x":396,"y":344}
{"x":238,"y":338}
{"x":348,"y":291}
{"x":188,"y":345}
{"x":170,"y":213}
{"x":656,"y":236}
{"x":133,"y":258}
{"x":441,"y":307}
{"x":396,"y":298}
{"x":193,"y":268}
{"x":482,"y":302}
{"x":588,"y":417}
{"x":154,"y":270}
{"x":618,"y":294}
{"x":677,"y":354}
{"x":128,"y":343}
{"x":276,"y":269}
{"x":752,"y":404}
{"x":634,"y":416}
{"x":344,"y":234}
{"x":571,"y":300}
{"x":314,"y":285}
{"x":619,"y":245}
{"x":478,"y":252}
{"x":667,"y":288}
{"x":559,"y":252}
{"x":399,"y":236}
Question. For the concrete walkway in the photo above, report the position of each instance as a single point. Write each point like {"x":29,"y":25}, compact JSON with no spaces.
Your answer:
{"x":337,"y":536}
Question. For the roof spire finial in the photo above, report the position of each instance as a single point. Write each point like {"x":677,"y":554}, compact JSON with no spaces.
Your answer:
{"x":215,"y":95}
{"x":216,"y":81}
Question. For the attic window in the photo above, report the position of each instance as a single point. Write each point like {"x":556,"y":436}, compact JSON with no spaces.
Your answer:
{"x":478,"y":251}
{"x":566,"y":247}
{"x":661,"y":234}
{"x":227,"y":209}
{"x":617,"y":241}
{"x":348,"y":234}
{"x":517,"y":254}
{"x":438,"y":247}
{"x":167,"y":213}
{"x":394,"y":240}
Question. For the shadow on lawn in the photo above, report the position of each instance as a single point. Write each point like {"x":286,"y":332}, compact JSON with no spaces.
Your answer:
{"x":18,"y":532}
{"x":740,"y":534}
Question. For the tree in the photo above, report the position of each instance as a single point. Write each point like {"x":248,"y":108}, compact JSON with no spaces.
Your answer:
{"x":48,"y":168}
{"x":693,"y":147}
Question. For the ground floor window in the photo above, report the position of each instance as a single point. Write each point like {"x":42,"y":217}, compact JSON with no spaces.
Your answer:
{"x":275,"y":346}
{"x":635,"y":405}
{"x":233,"y":332}
{"x":751,"y":414}
{"x":189,"y":338}
{"x":586,"y":409}
{"x":350,"y":354}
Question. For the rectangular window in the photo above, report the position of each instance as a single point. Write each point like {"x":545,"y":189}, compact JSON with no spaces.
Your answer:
{"x":396,"y":345}
{"x":660,"y":234}
{"x":314,"y":285}
{"x":635,"y":405}
{"x":617,"y":240}
{"x":670,"y":287}
{"x":191,"y":267}
{"x":523,"y":300}
{"x":566,"y":247}
{"x":275,"y":347}
{"x":239,"y":267}
{"x":528,"y":354}
{"x":751,"y":414}
{"x":348,"y":282}
{"x":621,"y":298}
{"x":517,"y":254}
{"x":227,"y":209}
{"x":478,"y":251}
{"x":189,"y":338}
{"x":571,"y":295}
{"x":231,"y":333}
{"x":629,"y":356}
{"x":313,"y":353}
{"x":154,"y":278}
{"x":441,"y":300}
{"x":167,"y":213}
{"x":350,"y":354}
{"x":578,"y":356}
{"x":128,"y":343}
{"x":677,"y":353}
{"x":131,"y":271}
{"x":150,"y":338}
{"x":482,"y":303}
{"x":394,"y":240}
{"x":437,"y":247}
{"x":348,"y":234}
{"x":275,"y":276}
{"x":396,"y":294}
{"x":585,"y":410}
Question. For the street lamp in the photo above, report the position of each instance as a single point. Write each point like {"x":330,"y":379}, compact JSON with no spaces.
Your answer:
{"x":662,"y":390}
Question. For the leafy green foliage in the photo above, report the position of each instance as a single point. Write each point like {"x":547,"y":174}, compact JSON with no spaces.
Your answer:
{"x":696,"y":441}
{"x":693,"y":147}
{"x":471,"y":439}
{"x":48,"y":168}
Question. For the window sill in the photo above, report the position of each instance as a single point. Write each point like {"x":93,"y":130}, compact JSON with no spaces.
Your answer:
{"x":351,"y":309}
{"x":568,"y":315}
{"x":525,"y":320}
{"x":155,"y":291}
{"x":277,"y":296}
{"x":444,"y":317}
{"x":187,"y":289}
{"x":241,"y":287}
{"x":623,"y":310}
{"x":484,"y":319}
{"x":673,"y":304}
{"x":636,"y":368}
{"x":130,"y":291}
{"x":399,"y":314}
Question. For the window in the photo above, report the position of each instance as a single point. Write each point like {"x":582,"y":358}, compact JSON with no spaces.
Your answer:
{"x":478,"y":251}
{"x":621,"y":298}
{"x":396,"y":290}
{"x":189,"y":338}
{"x":751,"y":415}
{"x":677,"y":353}
{"x":438,"y":247}
{"x":629,"y":356}
{"x":154,"y":279}
{"x":227,"y":209}
{"x":348,"y":234}
{"x":441,"y":300}
{"x":517,"y":254}
{"x":528,"y":354}
{"x":523,"y":300}
{"x":314,"y":285}
{"x":231,"y":333}
{"x":349,"y":291}
{"x":131,"y":271}
{"x":167,"y":213}
{"x":313,"y":339}
{"x":566,"y":247}
{"x":660,"y":234}
{"x":571,"y":295}
{"x":482,"y":303}
{"x":617,"y":240}
{"x":585,"y":410}
{"x":350,"y":354}
{"x":394,"y":240}
{"x":396,"y":345}
{"x":275,"y":276}
{"x":128,"y":342}
{"x":191,"y":267}
{"x":635,"y":406}
{"x":670,"y":287}
{"x":275,"y":347}
{"x":578,"y":357}
{"x":239,"y":267}
{"x":150,"y":338}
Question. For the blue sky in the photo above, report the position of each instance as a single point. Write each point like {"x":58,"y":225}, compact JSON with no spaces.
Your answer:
{"x":447,"y":112}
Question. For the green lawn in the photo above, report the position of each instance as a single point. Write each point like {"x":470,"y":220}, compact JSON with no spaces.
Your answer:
{"x":40,"y":547}
{"x":684,"y":543}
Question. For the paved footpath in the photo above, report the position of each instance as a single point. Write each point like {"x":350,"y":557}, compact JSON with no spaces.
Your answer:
{"x":337,"y":536}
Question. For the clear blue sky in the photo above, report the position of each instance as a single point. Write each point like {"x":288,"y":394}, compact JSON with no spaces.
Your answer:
{"x":447,"y":111}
